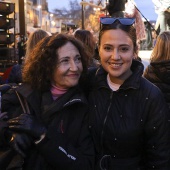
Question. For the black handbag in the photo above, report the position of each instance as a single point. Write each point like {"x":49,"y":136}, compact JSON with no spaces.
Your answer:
{"x":9,"y":158}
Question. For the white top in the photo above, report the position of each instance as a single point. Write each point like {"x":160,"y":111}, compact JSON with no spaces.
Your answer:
{"x":112,"y":85}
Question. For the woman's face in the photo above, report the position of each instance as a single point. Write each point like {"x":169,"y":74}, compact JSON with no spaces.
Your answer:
{"x":116,"y":52}
{"x":69,"y":67}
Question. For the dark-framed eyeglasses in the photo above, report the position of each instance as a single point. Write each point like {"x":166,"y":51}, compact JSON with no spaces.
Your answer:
{"x":123,"y":21}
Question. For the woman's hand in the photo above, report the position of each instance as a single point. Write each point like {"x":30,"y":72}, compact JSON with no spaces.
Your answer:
{"x":3,"y":115}
{"x":28,"y":124}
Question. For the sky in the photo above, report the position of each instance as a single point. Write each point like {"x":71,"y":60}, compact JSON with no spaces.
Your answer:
{"x":146,"y":7}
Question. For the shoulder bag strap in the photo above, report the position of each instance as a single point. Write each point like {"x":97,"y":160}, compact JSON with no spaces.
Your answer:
{"x":24,"y":104}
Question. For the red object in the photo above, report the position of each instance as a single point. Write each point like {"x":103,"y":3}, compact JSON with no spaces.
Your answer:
{"x":5,"y":76}
{"x":101,"y":16}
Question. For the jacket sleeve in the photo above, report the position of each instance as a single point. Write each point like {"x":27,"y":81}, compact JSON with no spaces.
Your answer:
{"x":60,"y":153}
{"x":157,"y":131}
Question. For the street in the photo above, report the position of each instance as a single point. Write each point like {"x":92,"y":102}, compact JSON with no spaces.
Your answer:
{"x":145,"y":56}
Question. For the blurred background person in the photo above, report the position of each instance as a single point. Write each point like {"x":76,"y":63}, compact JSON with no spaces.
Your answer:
{"x":116,"y":8}
{"x":162,"y":8}
{"x":86,"y":37}
{"x":154,"y":37}
{"x":33,"y":39}
{"x":70,"y":31}
{"x":132,"y":12}
{"x":55,"y":135}
{"x":15,"y":74}
{"x":21,"y":48}
{"x":158,"y":71}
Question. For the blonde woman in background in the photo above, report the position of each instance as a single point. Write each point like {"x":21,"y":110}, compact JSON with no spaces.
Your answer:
{"x":33,"y":39}
{"x":15,"y":75}
{"x":158,"y":70}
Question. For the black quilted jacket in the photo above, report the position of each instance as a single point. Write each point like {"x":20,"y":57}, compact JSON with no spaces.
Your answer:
{"x":67,"y":145}
{"x":129,"y":126}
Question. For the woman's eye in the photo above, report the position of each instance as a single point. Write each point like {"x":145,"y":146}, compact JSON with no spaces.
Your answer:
{"x":124,"y":49}
{"x":64,"y":61}
{"x":78,"y":59}
{"x":107,"y":48}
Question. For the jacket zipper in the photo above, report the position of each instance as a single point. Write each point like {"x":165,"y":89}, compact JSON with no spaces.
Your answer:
{"x":104,"y":122}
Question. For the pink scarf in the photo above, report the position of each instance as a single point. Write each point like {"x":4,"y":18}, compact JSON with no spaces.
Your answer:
{"x":57,"y":92}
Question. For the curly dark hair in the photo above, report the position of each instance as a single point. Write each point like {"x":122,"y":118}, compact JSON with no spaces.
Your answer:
{"x":39,"y":68}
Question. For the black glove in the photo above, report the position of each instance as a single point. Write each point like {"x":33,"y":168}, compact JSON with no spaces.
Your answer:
{"x":3,"y":115}
{"x":28,"y":124}
{"x":3,"y":118}
{"x":21,"y":143}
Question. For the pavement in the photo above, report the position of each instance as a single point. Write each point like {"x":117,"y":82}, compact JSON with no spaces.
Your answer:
{"x":145,"y":56}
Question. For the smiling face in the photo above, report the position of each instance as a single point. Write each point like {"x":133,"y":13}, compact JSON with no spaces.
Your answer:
{"x":116,"y":52}
{"x":69,"y":67}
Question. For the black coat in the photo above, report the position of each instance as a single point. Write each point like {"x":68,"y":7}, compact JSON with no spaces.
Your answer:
{"x":159,"y":74}
{"x":129,"y":126}
{"x":15,"y":75}
{"x":67,"y":145}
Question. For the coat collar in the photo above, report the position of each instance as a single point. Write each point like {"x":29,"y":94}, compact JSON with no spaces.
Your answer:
{"x":160,"y":70}
{"x":132,"y":82}
{"x":37,"y":99}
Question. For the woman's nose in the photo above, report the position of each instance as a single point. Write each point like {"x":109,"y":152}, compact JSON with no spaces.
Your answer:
{"x":115,"y":55}
{"x":73,"y":66}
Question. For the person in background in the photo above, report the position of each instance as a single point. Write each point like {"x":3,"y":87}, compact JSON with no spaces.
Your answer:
{"x":70,"y":31}
{"x":162,"y":8}
{"x":132,"y":12}
{"x":55,"y":134}
{"x":128,"y":114}
{"x":21,"y":49}
{"x":15,"y":75}
{"x":116,"y":8}
{"x":86,"y":37}
{"x":33,"y":39}
{"x":158,"y":70}
{"x":154,"y":37}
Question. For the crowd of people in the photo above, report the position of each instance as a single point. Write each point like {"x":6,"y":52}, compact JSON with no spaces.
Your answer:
{"x":70,"y":111}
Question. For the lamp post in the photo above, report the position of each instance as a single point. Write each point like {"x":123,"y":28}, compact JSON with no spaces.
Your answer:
{"x":82,"y":15}
{"x":106,"y":6}
{"x":22,"y":25}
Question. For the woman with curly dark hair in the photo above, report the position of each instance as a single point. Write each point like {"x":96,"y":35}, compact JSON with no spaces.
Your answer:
{"x":54,"y":135}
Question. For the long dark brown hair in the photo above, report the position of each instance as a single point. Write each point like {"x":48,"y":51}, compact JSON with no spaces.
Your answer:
{"x":161,"y":51}
{"x":87,"y":38}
